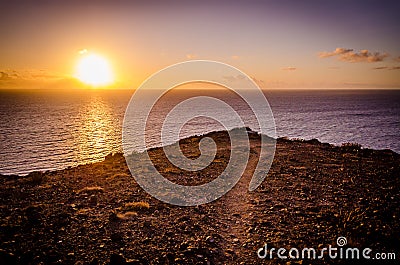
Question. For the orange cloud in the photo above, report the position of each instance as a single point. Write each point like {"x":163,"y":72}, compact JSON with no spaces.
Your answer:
{"x":387,"y":68}
{"x":4,"y":76}
{"x":191,"y":56}
{"x":290,"y":68}
{"x":32,"y":78}
{"x":231,"y":78}
{"x":348,"y":55}
{"x":259,"y":82}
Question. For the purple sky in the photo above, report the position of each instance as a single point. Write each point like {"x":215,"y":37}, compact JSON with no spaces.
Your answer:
{"x":295,"y":44}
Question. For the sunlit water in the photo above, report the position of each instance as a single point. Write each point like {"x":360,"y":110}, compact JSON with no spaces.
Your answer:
{"x":45,"y":130}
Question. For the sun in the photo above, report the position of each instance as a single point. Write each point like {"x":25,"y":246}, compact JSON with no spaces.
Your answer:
{"x":93,"y":69}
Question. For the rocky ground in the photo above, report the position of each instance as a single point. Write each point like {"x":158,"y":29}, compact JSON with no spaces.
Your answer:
{"x":97,"y":213}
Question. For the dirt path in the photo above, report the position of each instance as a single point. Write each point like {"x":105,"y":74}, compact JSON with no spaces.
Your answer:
{"x":238,"y":216}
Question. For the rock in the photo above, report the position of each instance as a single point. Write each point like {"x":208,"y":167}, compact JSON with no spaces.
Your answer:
{"x":117,"y":259}
{"x":33,"y":214}
{"x":117,"y":237}
{"x":184,"y":246}
{"x":210,"y":239}
{"x":113,"y":217}
{"x":170,"y":256}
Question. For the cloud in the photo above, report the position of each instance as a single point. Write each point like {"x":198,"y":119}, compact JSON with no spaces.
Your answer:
{"x":4,"y":76}
{"x":231,"y":78}
{"x":83,"y":51}
{"x":259,"y":82}
{"x":290,"y":68}
{"x":191,"y":56}
{"x":32,"y":78}
{"x":356,"y":84}
{"x":397,"y":59}
{"x":235,"y":57}
{"x":9,"y":75}
{"x":30,"y":75}
{"x":348,"y":55}
{"x":387,"y":68}
{"x":337,"y":51}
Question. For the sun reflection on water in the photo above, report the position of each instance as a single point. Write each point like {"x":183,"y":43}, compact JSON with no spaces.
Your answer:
{"x":96,"y":133}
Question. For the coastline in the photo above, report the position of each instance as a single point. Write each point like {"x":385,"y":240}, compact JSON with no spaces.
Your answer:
{"x":345,"y":145}
{"x":86,"y":125}
{"x":96,"y":213}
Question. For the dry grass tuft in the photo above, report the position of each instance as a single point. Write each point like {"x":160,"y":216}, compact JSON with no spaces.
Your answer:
{"x":350,"y":219}
{"x":84,"y":211}
{"x":126,"y":216}
{"x":136,"y":206}
{"x":118,"y":176}
{"x":90,"y":190}
{"x":172,"y":170}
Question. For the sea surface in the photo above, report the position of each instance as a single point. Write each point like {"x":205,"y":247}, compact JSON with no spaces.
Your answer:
{"x":53,"y":129}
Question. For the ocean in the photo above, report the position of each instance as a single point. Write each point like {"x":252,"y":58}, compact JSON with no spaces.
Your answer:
{"x":53,"y":129}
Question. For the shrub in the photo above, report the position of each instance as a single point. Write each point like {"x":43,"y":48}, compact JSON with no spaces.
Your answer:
{"x":354,"y":145}
{"x":136,"y":206}
{"x":126,"y":216}
{"x":90,"y":190}
{"x":351,"y":146}
{"x":36,"y":177}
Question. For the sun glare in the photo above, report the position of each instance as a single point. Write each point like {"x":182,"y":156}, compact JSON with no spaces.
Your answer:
{"x":94,"y":70}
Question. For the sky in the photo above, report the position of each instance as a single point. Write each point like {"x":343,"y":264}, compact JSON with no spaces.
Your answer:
{"x":280,"y":44}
